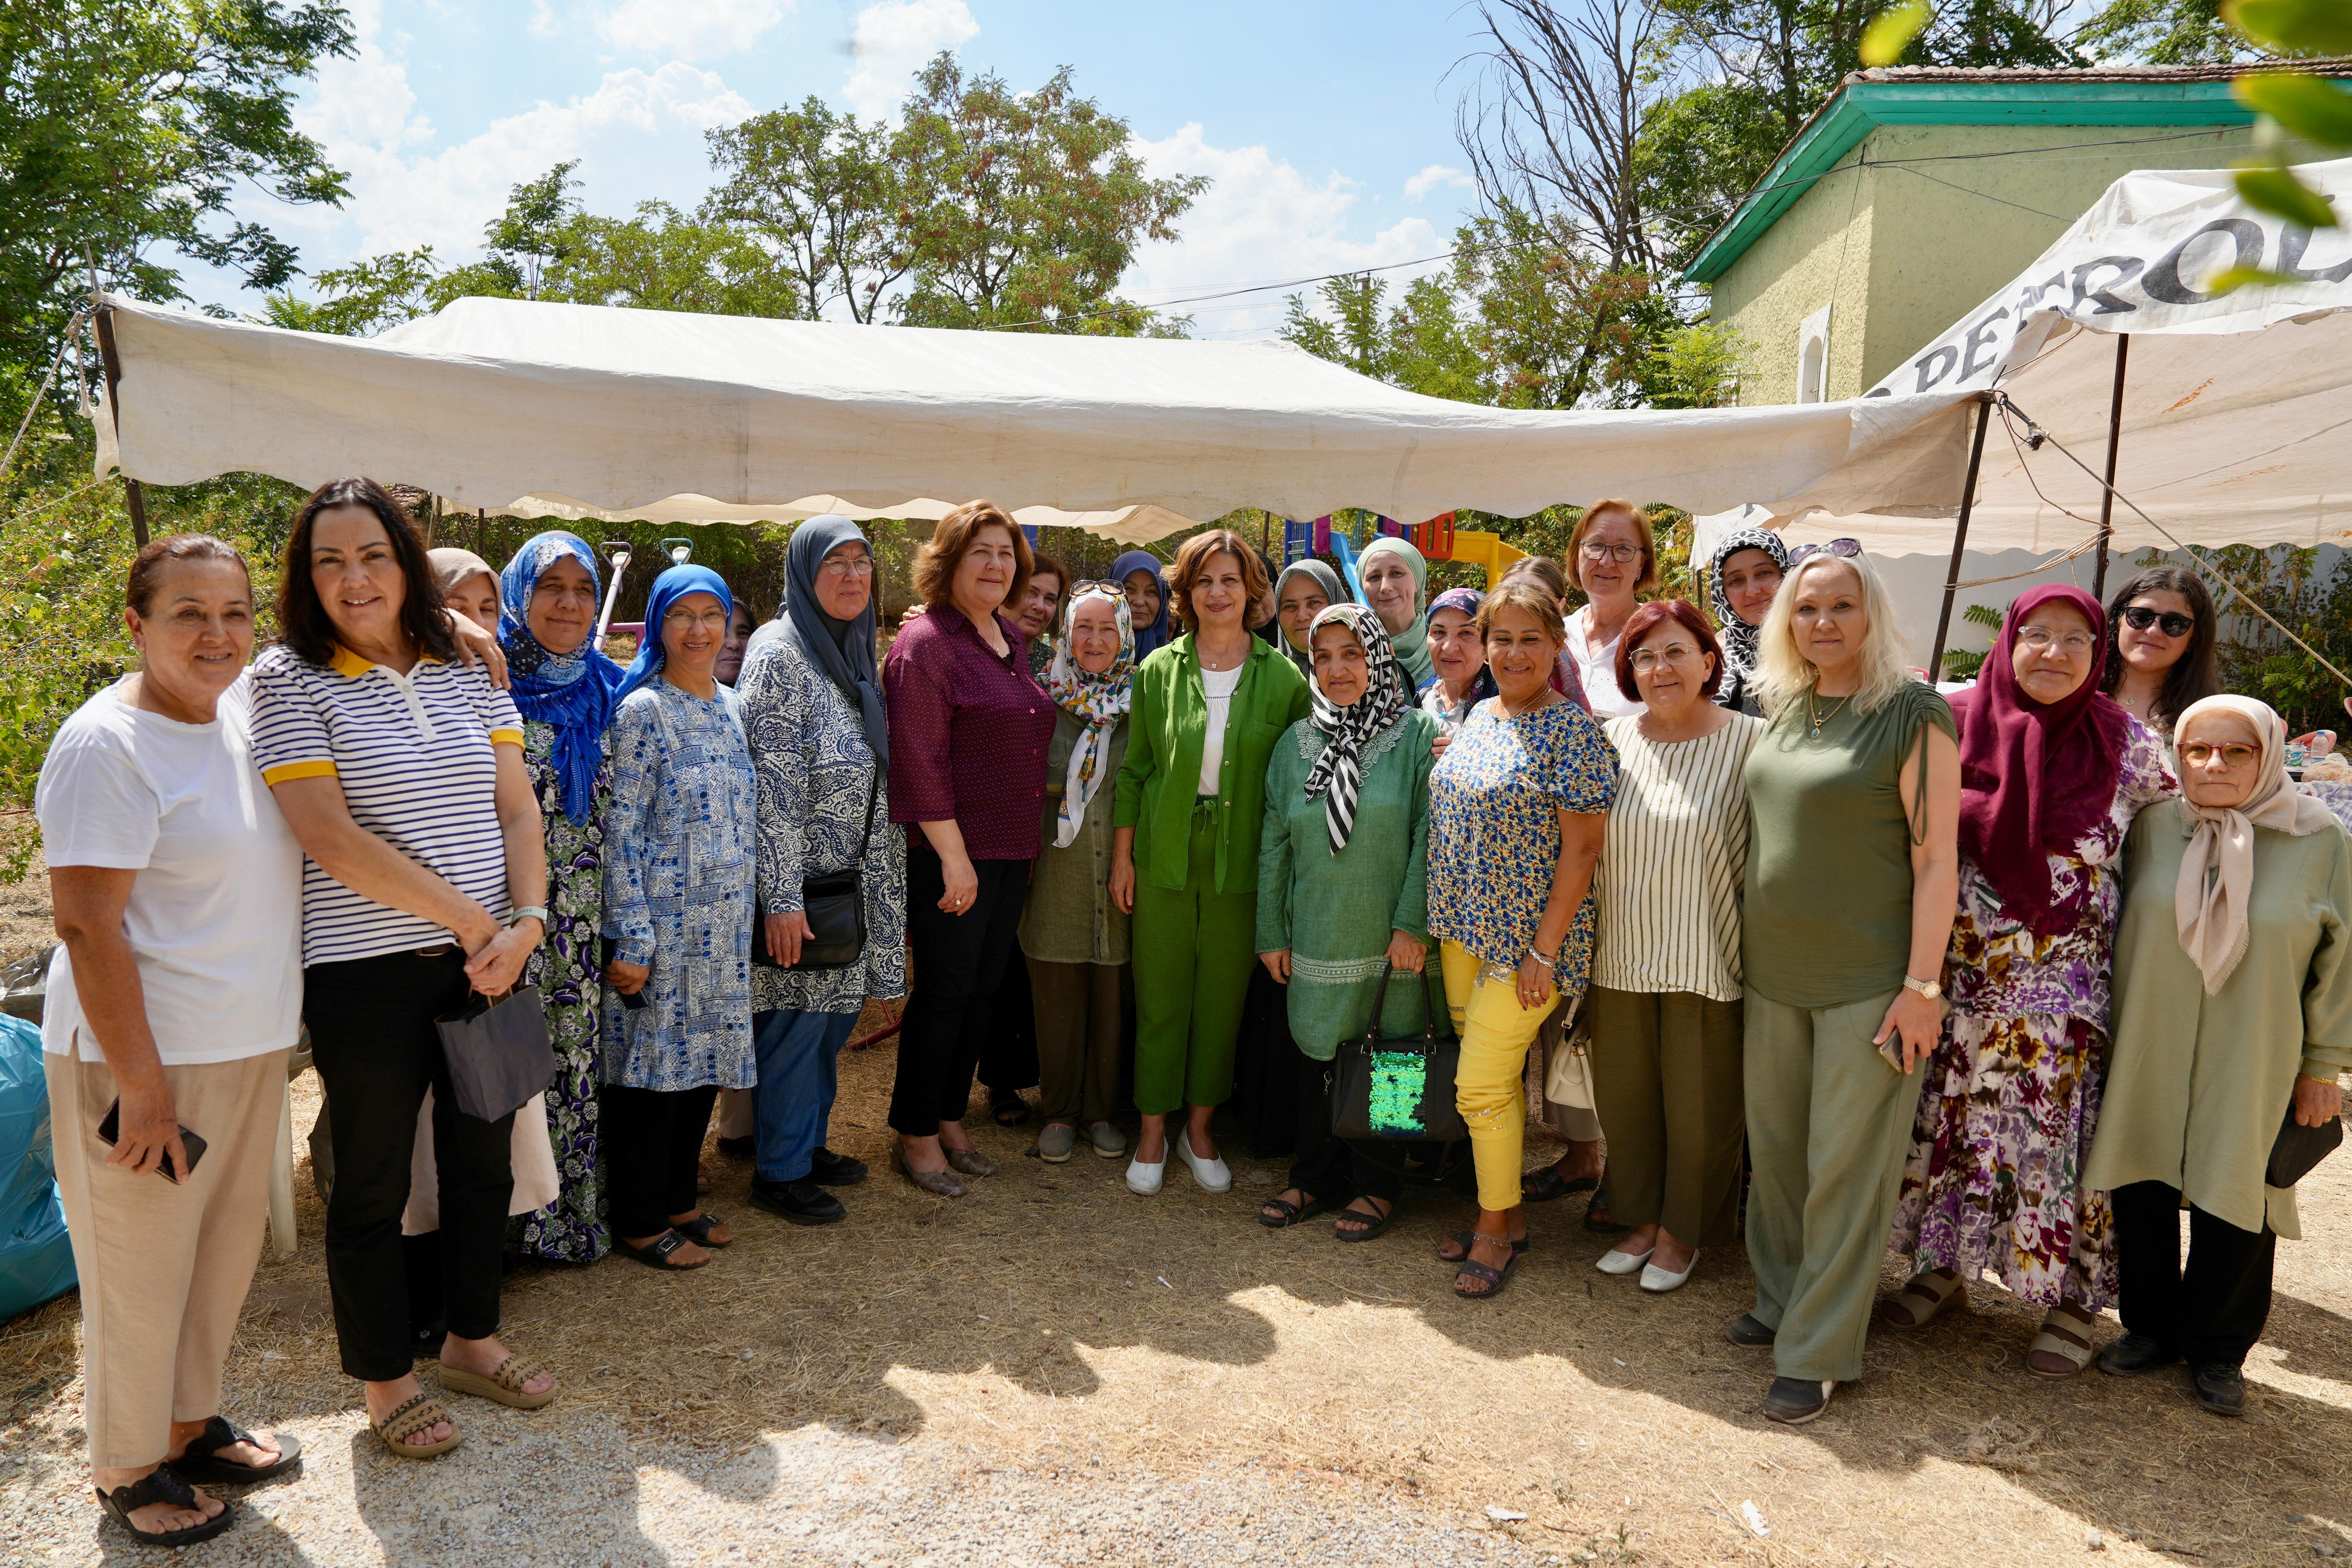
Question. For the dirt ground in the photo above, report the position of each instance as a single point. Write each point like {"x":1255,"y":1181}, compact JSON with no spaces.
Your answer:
{"x":1053,"y":1370}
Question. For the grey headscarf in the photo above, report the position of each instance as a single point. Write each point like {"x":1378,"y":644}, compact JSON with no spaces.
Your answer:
{"x":1325,"y":578}
{"x":843,"y":650}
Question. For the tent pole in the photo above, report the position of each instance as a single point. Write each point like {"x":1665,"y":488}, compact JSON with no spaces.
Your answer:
{"x":1960,"y":537}
{"x":134,"y":495}
{"x":2108,"y":494}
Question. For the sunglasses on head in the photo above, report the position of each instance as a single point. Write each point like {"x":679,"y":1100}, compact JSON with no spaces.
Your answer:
{"x":1846,"y":549}
{"x":2139,"y":618}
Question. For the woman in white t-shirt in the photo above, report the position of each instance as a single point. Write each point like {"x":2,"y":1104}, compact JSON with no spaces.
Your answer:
{"x":172,"y":1007}
{"x":1613,"y":557}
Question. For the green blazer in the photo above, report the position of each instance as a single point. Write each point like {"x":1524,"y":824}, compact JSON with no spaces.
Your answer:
{"x":1166,"y":730}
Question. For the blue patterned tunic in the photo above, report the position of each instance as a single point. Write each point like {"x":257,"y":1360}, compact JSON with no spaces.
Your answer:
{"x":679,"y":847}
{"x":816,"y":771}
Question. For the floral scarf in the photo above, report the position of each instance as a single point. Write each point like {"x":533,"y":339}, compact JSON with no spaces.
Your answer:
{"x":1338,"y":773}
{"x":1099,"y":701}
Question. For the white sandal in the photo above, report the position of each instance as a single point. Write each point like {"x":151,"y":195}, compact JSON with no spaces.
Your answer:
{"x":2065,"y":1335}
{"x":1924,"y":1294}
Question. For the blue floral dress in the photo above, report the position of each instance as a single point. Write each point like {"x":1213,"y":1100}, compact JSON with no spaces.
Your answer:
{"x":2011,"y":1094}
{"x":680,"y":843}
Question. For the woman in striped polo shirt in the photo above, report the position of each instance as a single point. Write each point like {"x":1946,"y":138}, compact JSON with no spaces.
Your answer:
{"x":401,"y":772}
{"x":1665,"y":967}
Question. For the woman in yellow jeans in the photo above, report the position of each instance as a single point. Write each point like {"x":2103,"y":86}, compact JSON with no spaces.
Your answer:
{"x":1515,"y":812}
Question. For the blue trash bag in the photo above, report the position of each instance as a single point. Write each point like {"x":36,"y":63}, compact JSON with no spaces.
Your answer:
{"x":36,"y":1260}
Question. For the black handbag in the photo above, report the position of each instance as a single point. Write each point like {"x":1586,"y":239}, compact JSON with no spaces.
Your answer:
{"x":499,"y":1053}
{"x":834,"y":905}
{"x":1398,"y":1089}
{"x":2298,"y":1148}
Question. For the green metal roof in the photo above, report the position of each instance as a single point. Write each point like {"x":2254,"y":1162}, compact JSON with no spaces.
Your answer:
{"x":1858,"y":108}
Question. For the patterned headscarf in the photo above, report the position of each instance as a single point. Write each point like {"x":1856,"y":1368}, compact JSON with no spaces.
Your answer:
{"x":1338,"y":774}
{"x":668,"y":588}
{"x":1099,"y":701}
{"x":1739,"y":639}
{"x":1468,"y":600}
{"x":573,"y":694}
{"x":1411,"y":644}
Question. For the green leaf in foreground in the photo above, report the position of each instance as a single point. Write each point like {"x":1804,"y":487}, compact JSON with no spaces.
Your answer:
{"x":2299,"y":26}
{"x":2239,"y":278}
{"x":2305,"y":105}
{"x":1892,"y":33}
{"x":2281,"y":194}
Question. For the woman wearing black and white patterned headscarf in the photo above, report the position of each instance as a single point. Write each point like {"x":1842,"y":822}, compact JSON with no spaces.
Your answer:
{"x":1338,"y":774}
{"x":1742,"y":576}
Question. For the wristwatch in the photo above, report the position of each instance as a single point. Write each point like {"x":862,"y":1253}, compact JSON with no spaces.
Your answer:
{"x":1930,"y":989}
{"x":528,"y":911}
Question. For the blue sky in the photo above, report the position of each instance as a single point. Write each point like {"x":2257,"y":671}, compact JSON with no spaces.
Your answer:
{"x":1328,"y":128}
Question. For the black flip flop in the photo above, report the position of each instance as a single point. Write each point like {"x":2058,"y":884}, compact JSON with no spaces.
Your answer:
{"x":202,"y":1466}
{"x":697,"y":1230}
{"x":657,"y":1253}
{"x":1368,"y":1232}
{"x":161,"y":1485}
{"x":1292,"y":1213}
{"x":1546,"y":1184}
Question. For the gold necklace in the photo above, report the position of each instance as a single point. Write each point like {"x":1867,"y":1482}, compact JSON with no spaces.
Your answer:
{"x":1820,"y":719}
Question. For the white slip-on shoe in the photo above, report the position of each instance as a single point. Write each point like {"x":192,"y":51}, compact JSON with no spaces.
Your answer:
{"x":1146,"y":1179}
{"x":1213,"y":1175}
{"x":1616,"y":1262}
{"x":1657,"y":1281}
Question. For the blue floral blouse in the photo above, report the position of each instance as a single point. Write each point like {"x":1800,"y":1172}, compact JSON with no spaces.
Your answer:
{"x":679,"y":844}
{"x":1494,"y":836}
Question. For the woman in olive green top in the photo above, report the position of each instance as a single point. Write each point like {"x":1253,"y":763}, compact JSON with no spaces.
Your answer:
{"x":1074,"y":938}
{"x":1854,"y":793}
{"x":1343,"y":894}
{"x":1208,"y":711}
{"x":2229,"y":1022}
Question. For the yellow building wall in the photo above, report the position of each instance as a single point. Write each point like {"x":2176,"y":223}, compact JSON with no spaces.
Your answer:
{"x":1816,"y":253}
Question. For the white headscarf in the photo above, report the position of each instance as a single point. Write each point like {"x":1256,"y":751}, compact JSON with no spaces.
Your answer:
{"x":2217,"y":874}
{"x":1099,"y":701}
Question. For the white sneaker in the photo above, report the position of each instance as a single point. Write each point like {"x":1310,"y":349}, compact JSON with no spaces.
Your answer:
{"x":1616,"y":1262}
{"x":1657,"y":1281}
{"x":1213,"y":1175}
{"x":1146,"y":1179}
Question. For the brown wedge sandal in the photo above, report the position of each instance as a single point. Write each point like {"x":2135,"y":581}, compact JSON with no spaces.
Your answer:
{"x":505,"y":1384}
{"x":417,"y":1413}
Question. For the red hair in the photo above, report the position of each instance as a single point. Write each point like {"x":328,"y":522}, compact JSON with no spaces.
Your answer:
{"x":1648,"y":618}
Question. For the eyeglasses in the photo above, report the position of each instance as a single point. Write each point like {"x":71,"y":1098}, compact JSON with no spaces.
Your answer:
{"x":2233,"y":754}
{"x":709,"y":619}
{"x":1847,"y":549}
{"x":2139,"y":618}
{"x":848,"y":565}
{"x":1672,"y":652}
{"x":2073,"y":643}
{"x":1596,"y":552}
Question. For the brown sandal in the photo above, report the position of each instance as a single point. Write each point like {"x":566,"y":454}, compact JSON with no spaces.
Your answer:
{"x":505,"y":1384}
{"x":417,"y":1413}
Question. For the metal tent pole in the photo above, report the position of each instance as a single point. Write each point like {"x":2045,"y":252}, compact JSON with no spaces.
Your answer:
{"x":1960,"y":536}
{"x":134,"y":496}
{"x":2108,"y":494}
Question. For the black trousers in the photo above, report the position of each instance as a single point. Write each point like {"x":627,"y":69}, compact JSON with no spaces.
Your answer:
{"x":1008,"y":1062}
{"x":652,"y":1141}
{"x":1327,"y":1167}
{"x":372,"y":1040}
{"x":959,"y":966}
{"x":2211,"y":1311}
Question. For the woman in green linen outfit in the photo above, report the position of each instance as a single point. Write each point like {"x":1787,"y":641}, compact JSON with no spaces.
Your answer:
{"x":1343,"y":896}
{"x":1208,"y":710}
{"x":2233,"y":1010}
{"x":1853,"y":878}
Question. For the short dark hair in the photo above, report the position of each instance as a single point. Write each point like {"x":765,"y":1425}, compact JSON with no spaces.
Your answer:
{"x":1044,"y":565}
{"x":303,"y":623}
{"x":1648,"y":618}
{"x":2194,"y":677}
{"x":1192,"y":557}
{"x":936,"y":561}
{"x":148,"y":567}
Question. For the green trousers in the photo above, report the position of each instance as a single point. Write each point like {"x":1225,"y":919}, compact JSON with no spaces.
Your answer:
{"x":1192,"y":948}
{"x":1829,"y":1125}
{"x":1666,"y":1082}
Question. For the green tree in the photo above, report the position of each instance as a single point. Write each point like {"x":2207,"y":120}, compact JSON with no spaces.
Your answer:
{"x":1697,"y":366}
{"x":820,"y":194}
{"x":359,"y":300}
{"x":2165,"y":33}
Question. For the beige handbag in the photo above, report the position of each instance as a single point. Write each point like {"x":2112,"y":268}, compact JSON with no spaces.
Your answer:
{"x":1567,"y":1059}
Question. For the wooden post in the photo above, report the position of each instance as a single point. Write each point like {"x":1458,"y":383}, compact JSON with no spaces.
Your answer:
{"x":2107,"y":494}
{"x":1960,"y":537}
{"x":134,"y":496}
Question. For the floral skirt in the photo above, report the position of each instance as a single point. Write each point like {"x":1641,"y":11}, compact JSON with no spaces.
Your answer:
{"x":573,"y":1228}
{"x":1993,"y":1182}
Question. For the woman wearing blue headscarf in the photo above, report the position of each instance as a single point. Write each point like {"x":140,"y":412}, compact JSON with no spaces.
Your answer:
{"x":548,"y":597}
{"x":811,"y":701}
{"x":680,"y":843}
{"x":1138,"y":577}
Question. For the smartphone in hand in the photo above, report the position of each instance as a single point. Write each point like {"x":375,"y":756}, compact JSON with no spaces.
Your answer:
{"x":109,"y":1132}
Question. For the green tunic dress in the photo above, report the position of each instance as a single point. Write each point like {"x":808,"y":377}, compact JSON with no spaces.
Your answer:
{"x":1335,"y":913}
{"x":1069,"y":917}
{"x":2198,"y":1086}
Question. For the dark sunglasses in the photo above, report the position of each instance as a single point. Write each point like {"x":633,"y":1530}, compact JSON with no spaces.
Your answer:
{"x":2139,"y":618}
{"x":1848,"y":548}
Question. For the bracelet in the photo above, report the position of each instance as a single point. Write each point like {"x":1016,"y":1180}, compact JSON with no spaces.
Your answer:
{"x":1540,"y":958}
{"x":528,"y":911}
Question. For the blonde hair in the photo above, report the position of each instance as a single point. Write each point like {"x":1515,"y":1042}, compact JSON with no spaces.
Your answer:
{"x":1784,"y":675}
{"x":1645,"y":583}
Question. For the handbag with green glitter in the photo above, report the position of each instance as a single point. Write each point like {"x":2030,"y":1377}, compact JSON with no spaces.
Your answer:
{"x":1383,"y":1088}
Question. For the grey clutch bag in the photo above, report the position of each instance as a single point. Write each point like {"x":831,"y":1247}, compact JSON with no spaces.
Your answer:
{"x":498,"y":1052}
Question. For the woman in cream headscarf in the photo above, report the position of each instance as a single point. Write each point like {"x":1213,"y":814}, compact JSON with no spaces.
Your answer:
{"x":2233,"y":1017}
{"x":1396,"y":585}
{"x":469,"y":586}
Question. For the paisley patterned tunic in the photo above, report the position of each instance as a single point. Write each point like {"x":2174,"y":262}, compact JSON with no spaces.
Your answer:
{"x":571,"y":1229}
{"x":2011,"y":1094}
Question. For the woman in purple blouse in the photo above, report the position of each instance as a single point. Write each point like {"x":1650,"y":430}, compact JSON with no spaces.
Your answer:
{"x":969,"y":728}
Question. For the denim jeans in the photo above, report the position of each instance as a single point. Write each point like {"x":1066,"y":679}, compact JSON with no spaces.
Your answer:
{"x":797,"y":1053}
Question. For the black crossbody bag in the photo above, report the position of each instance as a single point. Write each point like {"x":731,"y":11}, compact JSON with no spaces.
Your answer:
{"x":834,"y":906}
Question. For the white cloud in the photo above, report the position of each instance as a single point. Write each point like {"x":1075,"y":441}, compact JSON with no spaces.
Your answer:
{"x":689,"y":29}
{"x":1428,"y":179}
{"x":894,"y":39}
{"x":363,"y":97}
{"x":1261,"y":221}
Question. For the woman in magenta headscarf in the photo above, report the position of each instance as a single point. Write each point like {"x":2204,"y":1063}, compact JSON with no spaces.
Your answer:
{"x":2052,"y":774}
